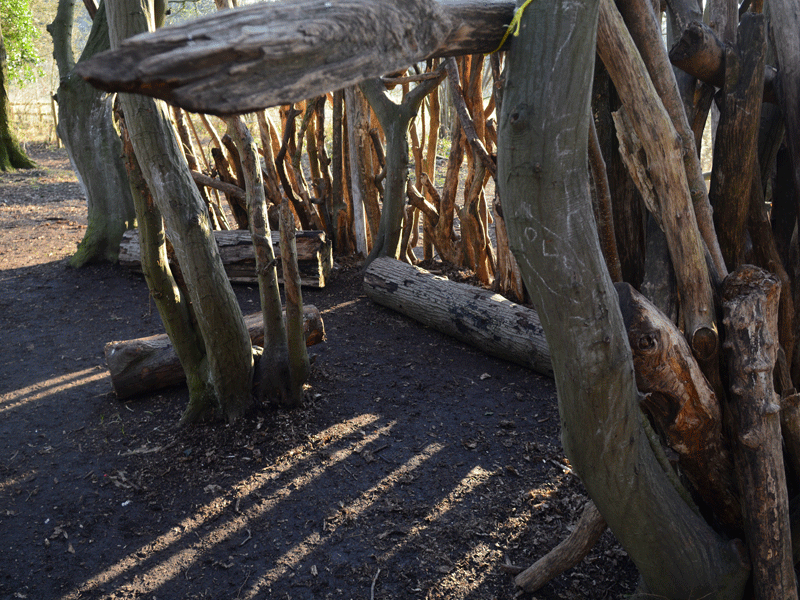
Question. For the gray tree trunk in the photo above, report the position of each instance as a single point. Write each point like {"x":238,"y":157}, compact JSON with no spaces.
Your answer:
{"x":543,"y":180}
{"x":275,"y":374}
{"x":394,"y":119}
{"x":170,"y":300}
{"x":219,"y":318}
{"x":86,"y":126}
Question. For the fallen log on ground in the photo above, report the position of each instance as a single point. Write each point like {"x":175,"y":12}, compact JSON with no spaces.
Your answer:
{"x":473,"y":315}
{"x":314,"y":255}
{"x":148,"y":364}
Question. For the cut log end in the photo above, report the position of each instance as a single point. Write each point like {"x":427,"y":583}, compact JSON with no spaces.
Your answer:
{"x":705,"y":343}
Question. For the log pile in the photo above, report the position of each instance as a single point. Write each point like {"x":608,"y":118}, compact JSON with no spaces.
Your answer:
{"x":314,"y":255}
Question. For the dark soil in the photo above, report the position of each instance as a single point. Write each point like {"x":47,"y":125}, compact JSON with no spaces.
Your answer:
{"x":416,"y":468}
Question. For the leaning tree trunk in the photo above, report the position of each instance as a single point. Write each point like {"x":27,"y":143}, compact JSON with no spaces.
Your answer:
{"x":86,"y":126}
{"x":219,"y":318}
{"x":543,"y":180}
{"x":170,"y":300}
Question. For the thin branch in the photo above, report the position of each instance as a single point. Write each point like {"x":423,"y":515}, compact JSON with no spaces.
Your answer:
{"x":466,"y":119}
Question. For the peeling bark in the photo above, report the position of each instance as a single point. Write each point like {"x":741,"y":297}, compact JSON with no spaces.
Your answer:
{"x":682,"y":405}
{"x":750,"y":297}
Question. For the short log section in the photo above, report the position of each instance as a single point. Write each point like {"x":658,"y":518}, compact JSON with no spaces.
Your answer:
{"x":148,"y":364}
{"x":473,"y":315}
{"x":314,"y":255}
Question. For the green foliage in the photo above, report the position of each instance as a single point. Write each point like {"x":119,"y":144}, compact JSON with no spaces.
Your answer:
{"x":20,"y":35}
{"x":179,"y":11}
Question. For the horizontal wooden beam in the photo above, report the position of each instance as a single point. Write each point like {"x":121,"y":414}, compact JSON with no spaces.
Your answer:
{"x":272,"y":53}
{"x":280,"y":52}
{"x":314,"y":255}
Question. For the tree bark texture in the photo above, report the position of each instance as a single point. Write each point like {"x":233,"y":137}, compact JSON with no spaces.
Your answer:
{"x":665,"y":159}
{"x":357,"y":112}
{"x":218,"y":315}
{"x":172,"y":304}
{"x":645,"y":30}
{"x":86,"y":127}
{"x":736,"y":142}
{"x":475,"y":316}
{"x":681,"y":404}
{"x":144,"y":365}
{"x":301,"y":48}
{"x":299,"y":366}
{"x":542,"y":150}
{"x":315,"y":257}
{"x":273,"y":366}
{"x":750,"y":300}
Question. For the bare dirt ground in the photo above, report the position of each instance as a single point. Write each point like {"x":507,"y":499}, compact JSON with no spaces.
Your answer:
{"x":415,"y":469}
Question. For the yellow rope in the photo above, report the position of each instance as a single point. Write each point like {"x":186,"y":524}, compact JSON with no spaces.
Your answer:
{"x":514,"y":25}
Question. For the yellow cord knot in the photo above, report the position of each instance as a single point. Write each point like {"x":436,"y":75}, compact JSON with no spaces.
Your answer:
{"x":513,"y":27}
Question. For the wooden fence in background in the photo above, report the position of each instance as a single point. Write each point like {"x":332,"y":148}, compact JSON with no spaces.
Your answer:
{"x":35,"y":121}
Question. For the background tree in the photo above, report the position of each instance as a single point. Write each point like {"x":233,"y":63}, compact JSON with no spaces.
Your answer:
{"x":86,"y":126}
{"x":21,"y":37}
{"x":18,"y":60}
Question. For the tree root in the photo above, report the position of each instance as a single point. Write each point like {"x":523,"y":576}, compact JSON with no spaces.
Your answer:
{"x":567,"y":554}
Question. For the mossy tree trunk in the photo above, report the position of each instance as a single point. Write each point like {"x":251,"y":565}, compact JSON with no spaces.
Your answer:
{"x":273,"y":366}
{"x":86,"y":126}
{"x":171,"y":301}
{"x":12,"y":156}
{"x":542,"y":175}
